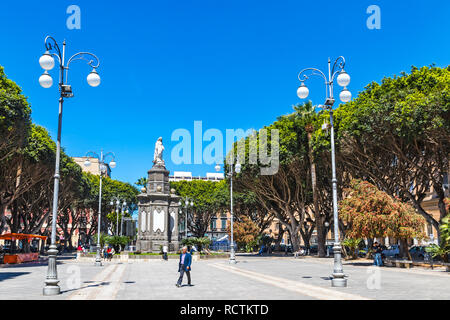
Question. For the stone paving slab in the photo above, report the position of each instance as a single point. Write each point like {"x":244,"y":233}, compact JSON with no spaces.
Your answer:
{"x":252,"y":278}
{"x":26,"y":281}
{"x":363,"y":279}
{"x":156,"y":280}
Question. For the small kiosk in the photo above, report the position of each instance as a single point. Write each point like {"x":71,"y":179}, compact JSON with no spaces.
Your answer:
{"x":13,"y":258}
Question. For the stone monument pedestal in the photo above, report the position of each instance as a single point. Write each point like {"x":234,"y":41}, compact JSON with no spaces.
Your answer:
{"x":158,"y":213}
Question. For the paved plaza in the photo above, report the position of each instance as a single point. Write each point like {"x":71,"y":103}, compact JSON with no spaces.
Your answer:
{"x":253,"y":278}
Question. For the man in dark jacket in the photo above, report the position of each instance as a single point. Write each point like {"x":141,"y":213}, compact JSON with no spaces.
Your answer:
{"x":377,"y":250}
{"x":184,"y":266}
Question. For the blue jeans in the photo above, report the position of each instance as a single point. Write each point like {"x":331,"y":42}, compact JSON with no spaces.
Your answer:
{"x":377,"y":261}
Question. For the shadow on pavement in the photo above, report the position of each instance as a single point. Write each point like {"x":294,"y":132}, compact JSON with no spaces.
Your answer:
{"x":359,"y":264}
{"x":40,"y":263}
{"x":9,"y":275}
{"x":101,"y":284}
{"x":278,"y":255}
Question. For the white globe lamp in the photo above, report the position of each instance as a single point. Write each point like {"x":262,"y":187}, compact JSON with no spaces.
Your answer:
{"x":302,"y":91}
{"x":345,"y":95}
{"x":46,"y":61}
{"x":45,"y":80}
{"x":343,"y":79}
{"x":93,"y":79}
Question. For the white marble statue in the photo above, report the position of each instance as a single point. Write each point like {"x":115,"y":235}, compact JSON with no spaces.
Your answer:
{"x":158,"y":155}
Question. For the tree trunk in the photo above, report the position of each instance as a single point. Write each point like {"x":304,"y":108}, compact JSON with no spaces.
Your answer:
{"x":306,"y":240}
{"x":403,"y":252}
{"x":2,"y":218}
{"x":369,"y":248}
{"x":295,"y":241}
{"x":317,"y":216}
{"x":278,"y":240}
{"x":441,"y":203}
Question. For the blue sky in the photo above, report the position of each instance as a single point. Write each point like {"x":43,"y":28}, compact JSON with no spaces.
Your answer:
{"x":231,"y":64}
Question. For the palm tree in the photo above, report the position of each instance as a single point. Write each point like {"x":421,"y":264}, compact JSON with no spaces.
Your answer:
{"x":142,"y":182}
{"x":307,"y":114}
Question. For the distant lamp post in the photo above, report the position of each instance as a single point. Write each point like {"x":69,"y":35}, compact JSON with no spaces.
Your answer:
{"x":343,"y":80}
{"x":124,"y":205}
{"x":120,"y":208}
{"x":187,"y":202}
{"x":47,"y":62}
{"x":237,"y":169}
{"x":103,"y":171}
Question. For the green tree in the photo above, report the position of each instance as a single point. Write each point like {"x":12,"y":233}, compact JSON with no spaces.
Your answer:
{"x":27,"y":162}
{"x":397,"y":135}
{"x":110,"y":189}
{"x":15,"y":117}
{"x":15,"y":128}
{"x":117,"y":242}
{"x":210,"y":198}
{"x":287,"y":194}
{"x":32,"y":184}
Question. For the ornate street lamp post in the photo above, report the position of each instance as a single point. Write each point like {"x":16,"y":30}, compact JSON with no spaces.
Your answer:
{"x":103,"y":171}
{"x":343,"y":80}
{"x":47,"y":62}
{"x":237,"y":169}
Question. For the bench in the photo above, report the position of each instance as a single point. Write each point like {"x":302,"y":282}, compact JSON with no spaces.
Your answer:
{"x":399,"y":263}
{"x":447,"y":266}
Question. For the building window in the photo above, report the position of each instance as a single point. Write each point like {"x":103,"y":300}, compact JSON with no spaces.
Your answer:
{"x":224,"y":224}
{"x":213,"y":224}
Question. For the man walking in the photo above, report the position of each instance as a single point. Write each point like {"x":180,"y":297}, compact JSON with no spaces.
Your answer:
{"x":165,"y":249}
{"x":184,"y":267}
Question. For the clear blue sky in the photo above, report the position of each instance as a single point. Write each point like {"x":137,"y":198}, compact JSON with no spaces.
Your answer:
{"x":231,"y":64}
